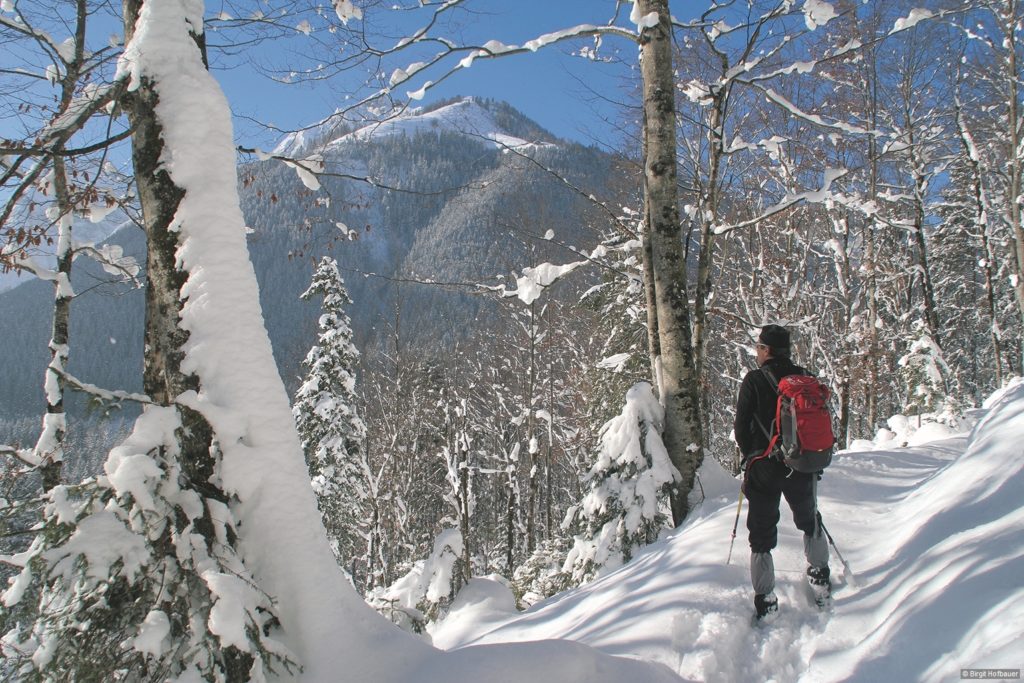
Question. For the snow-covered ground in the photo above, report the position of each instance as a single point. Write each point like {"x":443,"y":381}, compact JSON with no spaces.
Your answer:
{"x":934,"y":536}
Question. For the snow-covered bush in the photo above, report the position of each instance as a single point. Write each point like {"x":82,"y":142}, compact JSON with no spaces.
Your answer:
{"x":136,"y":577}
{"x":924,"y":374}
{"x":633,"y":473}
{"x":542,"y":574}
{"x":331,"y":430}
{"x":425,"y":592}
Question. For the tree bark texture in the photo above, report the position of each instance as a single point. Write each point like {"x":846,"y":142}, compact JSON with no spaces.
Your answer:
{"x":163,"y":378}
{"x":682,"y":434}
{"x":50,"y":447}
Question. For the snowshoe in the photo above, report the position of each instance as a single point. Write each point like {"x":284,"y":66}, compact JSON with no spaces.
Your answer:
{"x":821,"y":586}
{"x":766,"y":607}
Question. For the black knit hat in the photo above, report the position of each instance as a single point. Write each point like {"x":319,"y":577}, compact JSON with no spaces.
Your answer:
{"x":775,"y":336}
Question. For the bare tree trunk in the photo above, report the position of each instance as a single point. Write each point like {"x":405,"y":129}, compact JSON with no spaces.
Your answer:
{"x":683,"y":438}
{"x":845,"y":390}
{"x":464,"y":511}
{"x":1008,"y":23}
{"x":531,"y":437}
{"x":981,"y":206}
{"x":871,"y":259}
{"x":510,"y":520}
{"x":653,"y":341}
{"x":708,"y":219}
{"x":50,"y":446}
{"x":550,"y":452}
{"x":931,"y":312}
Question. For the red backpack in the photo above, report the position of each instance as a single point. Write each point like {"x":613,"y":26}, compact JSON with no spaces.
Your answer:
{"x":803,"y":422}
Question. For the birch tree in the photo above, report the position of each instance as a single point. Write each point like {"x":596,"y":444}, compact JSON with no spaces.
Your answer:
{"x":679,"y":382}
{"x":58,"y":163}
{"x":149,"y":551}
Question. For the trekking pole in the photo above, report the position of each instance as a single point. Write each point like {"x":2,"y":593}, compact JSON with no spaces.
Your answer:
{"x":846,"y":565}
{"x":739,"y":506}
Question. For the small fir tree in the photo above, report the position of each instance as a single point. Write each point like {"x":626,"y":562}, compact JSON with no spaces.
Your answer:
{"x":632,"y":476}
{"x":924,"y":373}
{"x":542,"y":574}
{"x":332,"y":433}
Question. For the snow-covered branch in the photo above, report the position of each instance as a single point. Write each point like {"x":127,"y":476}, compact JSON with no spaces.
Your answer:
{"x":311,"y":169}
{"x":112,"y":398}
{"x":58,"y":51}
{"x":25,"y":456}
{"x":814,"y":118}
{"x":466,"y":54}
{"x":112,"y":259}
{"x":813,"y":197}
{"x":492,"y":50}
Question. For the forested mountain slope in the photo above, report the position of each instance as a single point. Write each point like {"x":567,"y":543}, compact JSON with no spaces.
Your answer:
{"x":464,"y":193}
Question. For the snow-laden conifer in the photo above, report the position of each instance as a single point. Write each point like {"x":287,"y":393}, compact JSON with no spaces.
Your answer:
{"x":924,"y":373}
{"x":136,"y":576}
{"x":542,"y":574}
{"x":332,"y":433}
{"x":632,"y":476}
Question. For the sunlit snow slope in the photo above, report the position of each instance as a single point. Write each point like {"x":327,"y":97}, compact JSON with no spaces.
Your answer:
{"x":934,"y":536}
{"x":467,"y":116}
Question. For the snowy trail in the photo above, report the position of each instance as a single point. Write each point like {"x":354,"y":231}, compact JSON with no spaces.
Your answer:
{"x":935,"y":535}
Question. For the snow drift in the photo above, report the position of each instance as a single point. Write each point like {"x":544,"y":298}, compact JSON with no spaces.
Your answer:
{"x":934,"y":533}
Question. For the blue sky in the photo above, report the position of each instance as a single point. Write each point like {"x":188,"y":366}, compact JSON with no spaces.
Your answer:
{"x":550,"y":86}
{"x":570,"y":96}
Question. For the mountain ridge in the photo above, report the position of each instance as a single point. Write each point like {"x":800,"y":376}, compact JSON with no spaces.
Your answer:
{"x":462,"y":211}
{"x":470,"y":116}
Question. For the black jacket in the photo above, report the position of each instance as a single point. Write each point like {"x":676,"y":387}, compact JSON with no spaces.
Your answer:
{"x":757,"y":400}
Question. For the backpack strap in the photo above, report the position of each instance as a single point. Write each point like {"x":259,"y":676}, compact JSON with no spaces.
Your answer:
{"x":773,"y":435}
{"x":771,"y":378}
{"x":775,"y":387}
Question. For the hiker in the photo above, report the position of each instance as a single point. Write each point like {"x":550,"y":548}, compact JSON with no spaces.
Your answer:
{"x":766,"y":477}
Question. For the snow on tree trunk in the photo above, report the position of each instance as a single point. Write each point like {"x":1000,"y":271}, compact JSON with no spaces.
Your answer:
{"x":240,"y":393}
{"x":226,"y":449}
{"x":681,"y":398}
{"x":980,"y":203}
{"x":49,"y":448}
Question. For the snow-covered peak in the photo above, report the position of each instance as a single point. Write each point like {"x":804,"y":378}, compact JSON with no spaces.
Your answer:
{"x":472,"y":117}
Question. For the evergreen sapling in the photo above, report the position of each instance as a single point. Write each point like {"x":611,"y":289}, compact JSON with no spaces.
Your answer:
{"x":332,"y":433}
{"x":136,"y":577}
{"x":632,"y":476}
